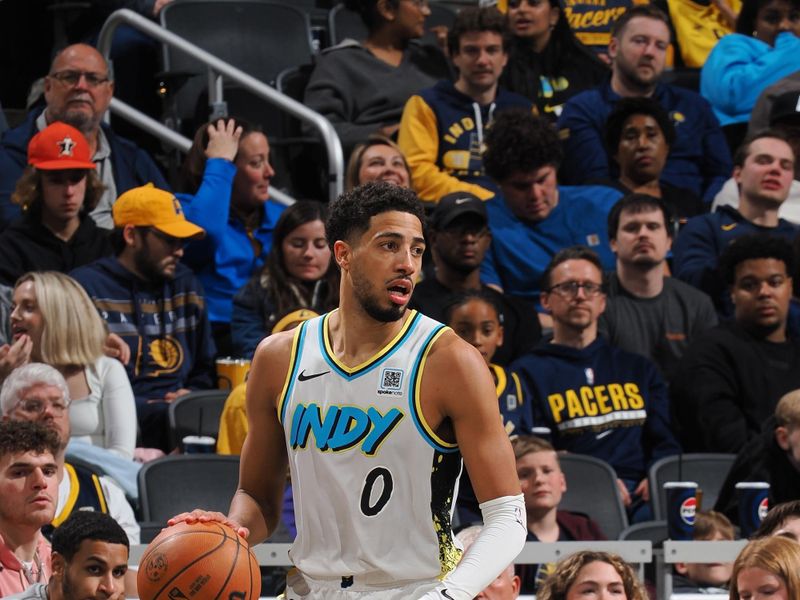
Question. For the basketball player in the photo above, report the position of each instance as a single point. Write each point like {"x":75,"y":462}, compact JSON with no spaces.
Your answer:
{"x":371,"y":405}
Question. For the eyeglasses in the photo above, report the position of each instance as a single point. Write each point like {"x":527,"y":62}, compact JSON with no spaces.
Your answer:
{"x":37,"y":407}
{"x":173,"y":242}
{"x":569,"y":289}
{"x":73,"y":77}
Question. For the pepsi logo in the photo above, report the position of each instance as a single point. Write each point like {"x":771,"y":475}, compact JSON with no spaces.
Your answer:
{"x":763,"y":508}
{"x":688,"y":510}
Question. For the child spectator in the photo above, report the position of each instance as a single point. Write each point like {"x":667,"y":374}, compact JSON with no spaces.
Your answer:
{"x":706,"y":578}
{"x":782,"y":519}
{"x":543,"y":484}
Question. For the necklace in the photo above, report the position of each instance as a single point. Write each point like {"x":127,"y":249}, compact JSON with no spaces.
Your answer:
{"x":28,"y":571}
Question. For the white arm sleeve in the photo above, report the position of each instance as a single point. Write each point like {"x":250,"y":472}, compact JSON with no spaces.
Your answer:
{"x":498,"y":544}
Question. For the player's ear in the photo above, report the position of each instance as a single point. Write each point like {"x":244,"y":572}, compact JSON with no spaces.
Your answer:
{"x":342,"y":254}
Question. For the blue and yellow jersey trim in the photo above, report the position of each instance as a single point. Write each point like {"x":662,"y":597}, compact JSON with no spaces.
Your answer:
{"x":74,"y":490}
{"x":414,"y":396}
{"x":351,"y":373}
{"x":291,"y":374}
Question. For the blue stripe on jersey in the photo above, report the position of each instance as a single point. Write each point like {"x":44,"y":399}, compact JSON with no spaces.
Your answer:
{"x":380,"y":358}
{"x":416,"y":373}
{"x":297,"y":352}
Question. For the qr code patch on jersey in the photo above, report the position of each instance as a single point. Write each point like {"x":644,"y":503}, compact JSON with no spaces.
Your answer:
{"x":391,"y":379}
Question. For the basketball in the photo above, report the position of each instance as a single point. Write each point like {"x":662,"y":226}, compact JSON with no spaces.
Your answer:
{"x":202,"y":561}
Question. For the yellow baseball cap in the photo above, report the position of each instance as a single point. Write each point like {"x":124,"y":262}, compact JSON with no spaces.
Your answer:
{"x":148,"y":206}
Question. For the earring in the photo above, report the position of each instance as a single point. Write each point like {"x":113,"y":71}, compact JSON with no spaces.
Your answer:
{"x":755,"y":34}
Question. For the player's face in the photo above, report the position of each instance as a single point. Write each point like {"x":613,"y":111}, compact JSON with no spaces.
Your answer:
{"x":755,"y":583}
{"x":767,"y":172}
{"x":639,"y":54}
{"x":44,"y":404}
{"x":597,"y":581}
{"x":504,"y":587}
{"x":642,"y":151}
{"x":480,"y":60}
{"x":28,"y":488}
{"x":710,"y":574}
{"x":581,"y":309}
{"x":383,"y":163}
{"x":306,"y":254}
{"x":462,"y":244}
{"x":641,"y":238}
{"x":542,"y":481}
{"x":26,"y":316}
{"x":477,"y":323}
{"x":384,"y":263}
{"x":761,"y":293}
{"x":531,"y":196}
{"x":96,"y":572}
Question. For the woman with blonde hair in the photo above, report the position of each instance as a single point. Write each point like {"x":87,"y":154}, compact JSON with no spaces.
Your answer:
{"x":66,"y":332}
{"x":767,"y":568}
{"x":377,"y":159}
{"x":585,"y":572}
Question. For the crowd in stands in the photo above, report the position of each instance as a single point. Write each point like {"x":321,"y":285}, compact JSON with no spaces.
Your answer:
{"x":620,"y":249}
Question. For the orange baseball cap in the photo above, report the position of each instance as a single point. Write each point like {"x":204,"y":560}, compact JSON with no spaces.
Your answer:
{"x":58,"y":147}
{"x":148,"y":206}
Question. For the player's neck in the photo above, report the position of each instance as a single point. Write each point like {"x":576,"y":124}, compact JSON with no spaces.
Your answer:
{"x":355,"y":336}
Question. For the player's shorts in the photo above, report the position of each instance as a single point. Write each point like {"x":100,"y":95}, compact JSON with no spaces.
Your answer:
{"x":302,"y":587}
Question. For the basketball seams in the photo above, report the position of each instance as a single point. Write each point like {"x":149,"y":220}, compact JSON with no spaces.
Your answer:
{"x":233,"y":564}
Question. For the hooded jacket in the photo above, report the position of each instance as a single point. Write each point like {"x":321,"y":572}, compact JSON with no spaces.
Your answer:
{"x":601,"y":401}
{"x":441,"y":135}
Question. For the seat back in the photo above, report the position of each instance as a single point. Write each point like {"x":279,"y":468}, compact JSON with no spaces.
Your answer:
{"x":592,"y":490}
{"x":345,"y":23}
{"x":708,"y":470}
{"x":196,"y":413}
{"x":259,"y":37}
{"x":178,"y":483}
{"x":653,"y":531}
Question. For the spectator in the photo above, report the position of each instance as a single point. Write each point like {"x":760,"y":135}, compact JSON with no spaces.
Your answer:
{"x":596,"y":399}
{"x":543,"y":484}
{"x":782,"y":519}
{"x":546,"y":62}
{"x":506,"y":586}
{"x":770,"y":564}
{"x":377,"y":159}
{"x":730,"y":379}
{"x":705,"y":578}
{"x":155,"y":304}
{"x":533,"y":217}
{"x":699,"y":26}
{"x":38,"y":393}
{"x":648,"y":312}
{"x":56,"y":192}
{"x":90,"y":558}
{"x":298,"y":274}
{"x":361,"y":87}
{"x":772,"y":456}
{"x":699,"y":159}
{"x":228,"y":172}
{"x":66,"y":333}
{"x":443,"y":127}
{"x":78,"y":91}
{"x":764,"y":171}
{"x":459,"y":238}
{"x":589,"y":573}
{"x":639,"y":135}
{"x":783,"y":118}
{"x":28,"y":491}
{"x":763,"y":50}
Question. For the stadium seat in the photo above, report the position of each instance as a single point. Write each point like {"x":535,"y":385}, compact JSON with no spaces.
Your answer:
{"x":592,"y":490}
{"x":179,"y":483}
{"x":196,"y":413}
{"x":708,"y":470}
{"x":654,"y":531}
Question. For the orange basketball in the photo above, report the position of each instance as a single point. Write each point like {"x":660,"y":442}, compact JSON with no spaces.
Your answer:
{"x":201,"y":561}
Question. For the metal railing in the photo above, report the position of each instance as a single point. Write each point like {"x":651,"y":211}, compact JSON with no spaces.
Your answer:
{"x":218,"y":68}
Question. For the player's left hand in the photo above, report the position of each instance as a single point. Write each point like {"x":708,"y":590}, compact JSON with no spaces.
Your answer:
{"x":208,"y":516}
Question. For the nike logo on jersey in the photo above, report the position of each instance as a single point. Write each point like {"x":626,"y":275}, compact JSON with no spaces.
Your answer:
{"x":304,"y":377}
{"x":341,"y":428}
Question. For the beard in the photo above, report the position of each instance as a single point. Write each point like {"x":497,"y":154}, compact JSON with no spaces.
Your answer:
{"x":370,"y":304}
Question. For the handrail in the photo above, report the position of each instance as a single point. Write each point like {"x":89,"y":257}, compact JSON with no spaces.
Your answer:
{"x":333,"y":146}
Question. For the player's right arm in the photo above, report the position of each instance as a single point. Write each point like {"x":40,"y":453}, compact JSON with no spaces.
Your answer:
{"x":262,"y":472}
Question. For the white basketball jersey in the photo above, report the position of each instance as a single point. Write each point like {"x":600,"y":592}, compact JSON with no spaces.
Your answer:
{"x":374,"y":487}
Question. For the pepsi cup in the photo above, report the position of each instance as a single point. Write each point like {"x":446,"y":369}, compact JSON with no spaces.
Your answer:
{"x":681,"y":508}
{"x":753,"y":505}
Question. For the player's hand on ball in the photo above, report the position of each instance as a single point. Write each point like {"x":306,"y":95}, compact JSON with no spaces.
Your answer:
{"x":205,"y":516}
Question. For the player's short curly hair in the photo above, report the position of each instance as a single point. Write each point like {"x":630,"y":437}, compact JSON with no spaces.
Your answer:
{"x":562,"y":579}
{"x":518,"y":141}
{"x":17,"y":437}
{"x":349,"y":215}
{"x":87,"y":525}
